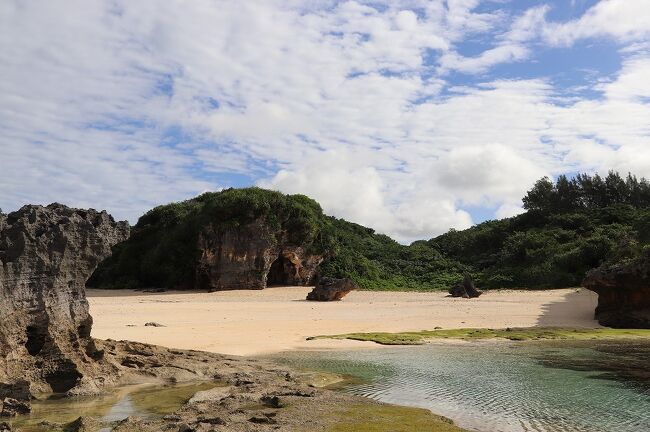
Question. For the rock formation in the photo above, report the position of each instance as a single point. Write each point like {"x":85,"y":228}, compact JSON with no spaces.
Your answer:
{"x":46,"y":256}
{"x":329,"y":289}
{"x":252,"y":256}
{"x":623,"y":294}
{"x":465,"y":289}
{"x":234,"y":239}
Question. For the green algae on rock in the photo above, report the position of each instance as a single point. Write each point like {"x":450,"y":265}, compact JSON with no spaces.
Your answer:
{"x":362,"y":417}
{"x":513,"y":334}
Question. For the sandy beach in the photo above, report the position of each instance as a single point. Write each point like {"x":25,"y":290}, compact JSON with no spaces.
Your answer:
{"x":252,"y":322}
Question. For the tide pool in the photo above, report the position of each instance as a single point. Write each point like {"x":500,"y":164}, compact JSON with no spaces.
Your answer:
{"x":506,"y":387}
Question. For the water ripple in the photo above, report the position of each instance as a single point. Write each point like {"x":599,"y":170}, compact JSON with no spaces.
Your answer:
{"x":502,"y":388}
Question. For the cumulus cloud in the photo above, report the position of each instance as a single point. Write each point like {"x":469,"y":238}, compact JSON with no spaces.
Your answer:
{"x":507,"y":52}
{"x":623,"y":20}
{"x":125,"y":105}
{"x":348,"y":189}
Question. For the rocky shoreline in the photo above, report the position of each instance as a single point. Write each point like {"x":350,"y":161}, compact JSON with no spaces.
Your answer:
{"x":249,"y":395}
{"x":47,"y":254}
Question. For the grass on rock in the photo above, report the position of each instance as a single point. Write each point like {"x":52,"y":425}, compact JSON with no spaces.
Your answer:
{"x":513,"y":334}
{"x":375,"y":418}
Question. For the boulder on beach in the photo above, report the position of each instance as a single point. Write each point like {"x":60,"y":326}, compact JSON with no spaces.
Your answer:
{"x":623,"y":293}
{"x":465,"y":289}
{"x":330,"y":289}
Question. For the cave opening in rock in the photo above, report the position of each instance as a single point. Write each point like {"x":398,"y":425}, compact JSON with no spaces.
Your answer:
{"x":64,"y":378}
{"x":281,"y":272}
{"x":35,"y":339}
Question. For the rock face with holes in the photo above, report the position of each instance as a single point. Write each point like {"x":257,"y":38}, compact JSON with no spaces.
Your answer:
{"x":623,"y":294}
{"x":46,"y":256}
{"x":330,"y":289}
{"x":251,"y":256}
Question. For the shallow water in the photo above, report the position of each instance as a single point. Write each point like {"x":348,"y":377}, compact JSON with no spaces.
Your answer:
{"x":542,"y":387}
{"x":138,"y":400}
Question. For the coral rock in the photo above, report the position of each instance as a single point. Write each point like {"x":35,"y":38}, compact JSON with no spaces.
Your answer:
{"x":46,"y":256}
{"x":623,"y":294}
{"x":329,"y":289}
{"x":251,"y":257}
{"x":465,"y":289}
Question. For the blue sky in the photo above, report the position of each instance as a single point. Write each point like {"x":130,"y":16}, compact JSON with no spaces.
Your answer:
{"x":409,"y":116}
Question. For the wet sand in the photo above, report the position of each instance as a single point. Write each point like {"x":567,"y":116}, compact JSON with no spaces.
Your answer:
{"x":253,"y":322}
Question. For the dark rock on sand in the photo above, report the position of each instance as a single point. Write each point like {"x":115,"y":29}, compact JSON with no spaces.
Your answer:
{"x":465,"y":289}
{"x":46,"y":256}
{"x":153,"y":324}
{"x":623,"y":293}
{"x":329,"y":289}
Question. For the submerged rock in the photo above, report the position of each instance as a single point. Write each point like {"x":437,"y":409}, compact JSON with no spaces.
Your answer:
{"x":465,"y":289}
{"x":623,"y":293}
{"x":329,"y":289}
{"x":10,"y":407}
{"x":46,"y":256}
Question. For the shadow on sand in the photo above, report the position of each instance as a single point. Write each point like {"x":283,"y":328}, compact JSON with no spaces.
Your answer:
{"x":576,"y":309}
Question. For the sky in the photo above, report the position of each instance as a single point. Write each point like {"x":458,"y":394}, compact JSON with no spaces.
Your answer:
{"x":408,"y":116}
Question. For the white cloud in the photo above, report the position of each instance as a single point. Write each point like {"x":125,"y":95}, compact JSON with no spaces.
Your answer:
{"x":483,"y":174}
{"x":508,"y":210}
{"x":624,"y":20}
{"x":348,"y":189}
{"x":510,"y":48}
{"x":124,"y":105}
{"x":504,"y":53}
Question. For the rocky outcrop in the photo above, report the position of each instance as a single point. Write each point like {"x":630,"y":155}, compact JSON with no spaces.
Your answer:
{"x":465,"y":289}
{"x":252,"y":256}
{"x":623,"y":294}
{"x":46,"y":256}
{"x":234,"y":239}
{"x":329,"y":289}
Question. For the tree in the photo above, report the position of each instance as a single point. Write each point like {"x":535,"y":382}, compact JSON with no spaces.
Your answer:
{"x":540,"y":197}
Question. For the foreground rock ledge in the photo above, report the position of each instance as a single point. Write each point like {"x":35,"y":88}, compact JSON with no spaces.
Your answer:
{"x":623,"y":294}
{"x":46,"y":256}
{"x":249,"y":395}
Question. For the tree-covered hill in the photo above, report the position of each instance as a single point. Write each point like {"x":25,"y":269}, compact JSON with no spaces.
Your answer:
{"x":570,"y":226}
{"x":162,"y":250}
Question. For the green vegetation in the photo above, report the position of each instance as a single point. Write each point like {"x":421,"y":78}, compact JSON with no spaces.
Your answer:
{"x":162,"y":250}
{"x":514,"y":334}
{"x":377,"y":262}
{"x":570,"y":227}
{"x":372,"y":417}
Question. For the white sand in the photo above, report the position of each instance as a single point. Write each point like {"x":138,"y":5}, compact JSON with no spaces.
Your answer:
{"x":250,"y":322}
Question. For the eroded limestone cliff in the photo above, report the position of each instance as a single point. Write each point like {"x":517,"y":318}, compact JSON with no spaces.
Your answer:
{"x":46,"y":256}
{"x":252,"y":256}
{"x":623,"y":294}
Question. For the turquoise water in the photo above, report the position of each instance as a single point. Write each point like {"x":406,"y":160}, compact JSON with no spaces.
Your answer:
{"x":560,"y":387}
